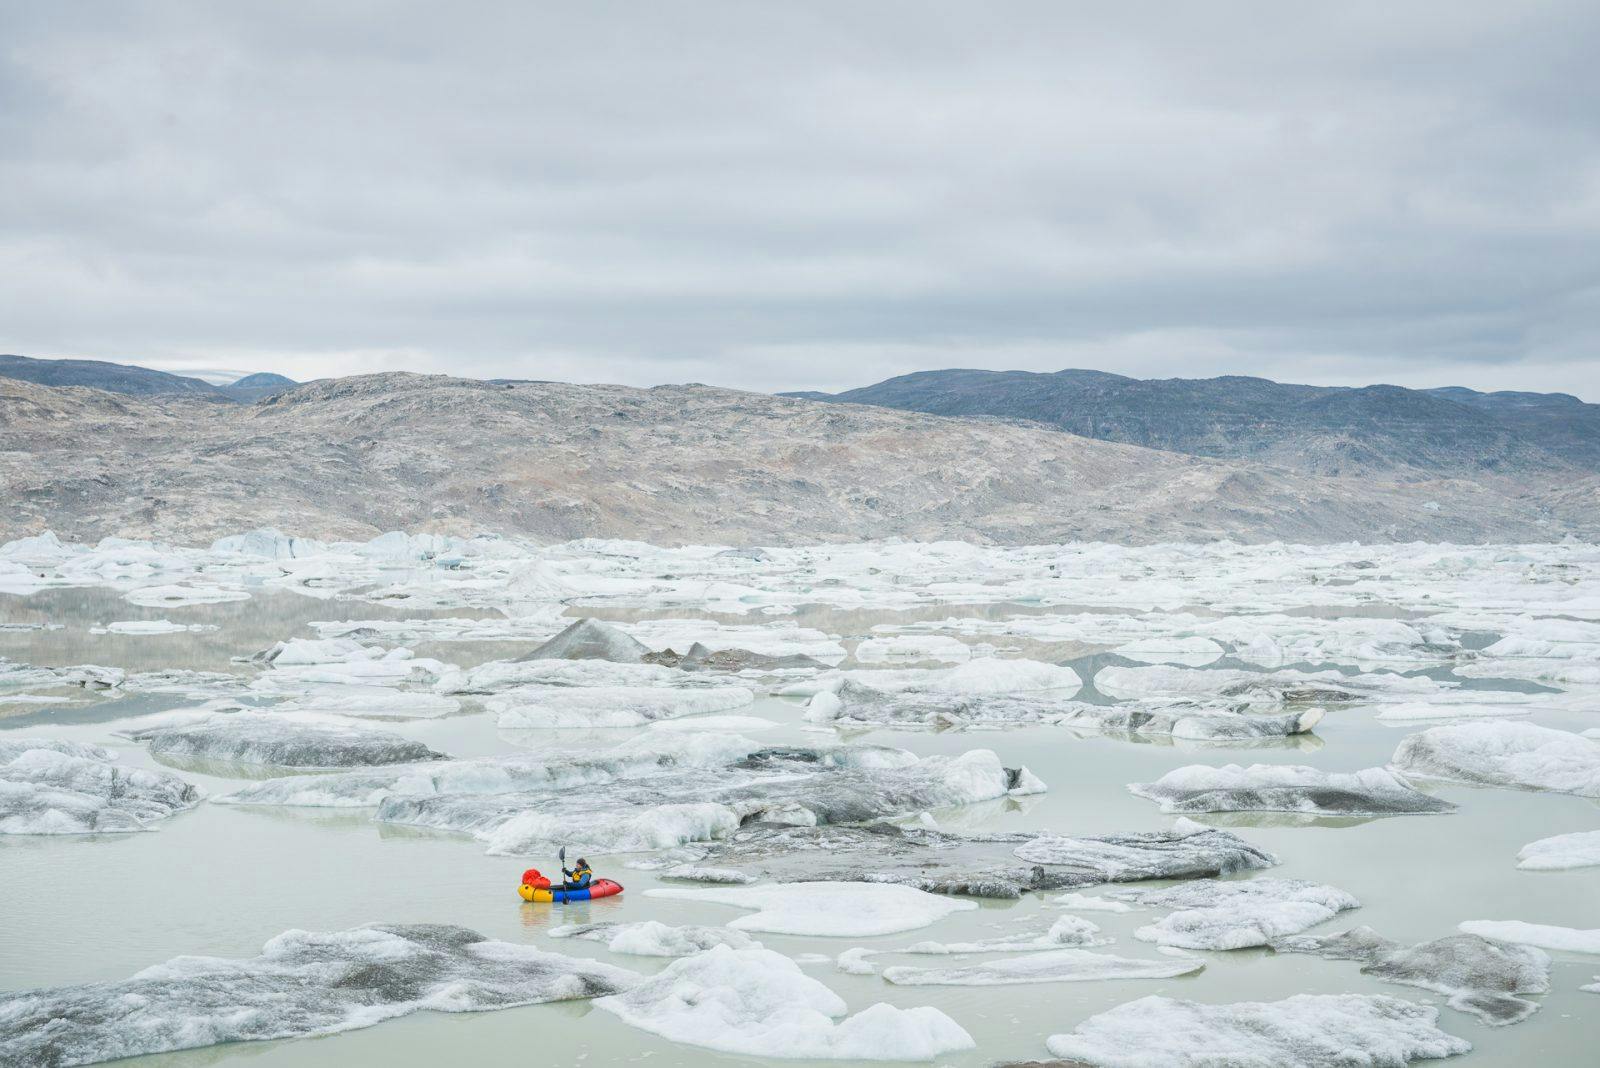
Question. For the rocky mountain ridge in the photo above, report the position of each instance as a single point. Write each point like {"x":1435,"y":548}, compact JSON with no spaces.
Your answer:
{"x":1315,"y":429}
{"x":356,"y":456}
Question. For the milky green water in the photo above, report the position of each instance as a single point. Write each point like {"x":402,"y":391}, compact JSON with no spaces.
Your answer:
{"x":222,"y":880}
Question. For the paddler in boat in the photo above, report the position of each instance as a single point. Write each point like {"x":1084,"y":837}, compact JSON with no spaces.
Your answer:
{"x":579,"y":877}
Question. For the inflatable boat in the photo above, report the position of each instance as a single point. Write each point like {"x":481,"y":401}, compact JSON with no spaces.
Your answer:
{"x":536,"y":887}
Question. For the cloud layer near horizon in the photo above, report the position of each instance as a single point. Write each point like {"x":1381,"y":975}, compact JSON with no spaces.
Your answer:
{"x":807,"y":196}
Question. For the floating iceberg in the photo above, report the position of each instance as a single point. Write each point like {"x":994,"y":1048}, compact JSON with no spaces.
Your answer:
{"x":301,"y":984}
{"x":1287,"y":788}
{"x":57,"y":787}
{"x":756,"y":1003}
{"x":279,"y":739}
{"x":1580,"y":849}
{"x":1480,"y":977}
{"x":1053,"y":966}
{"x":650,"y":938}
{"x":1237,"y":914}
{"x":834,"y":910}
{"x":1521,"y":755}
{"x":1307,"y":1031}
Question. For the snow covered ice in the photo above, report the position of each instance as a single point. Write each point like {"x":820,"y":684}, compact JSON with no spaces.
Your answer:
{"x":1307,"y":1030}
{"x":302,"y":984}
{"x":1542,"y":935}
{"x":55,"y":787}
{"x":1580,"y":849}
{"x":833,"y":910}
{"x":1281,"y":788}
{"x":1480,"y":976}
{"x":1521,"y":755}
{"x":756,"y":1003}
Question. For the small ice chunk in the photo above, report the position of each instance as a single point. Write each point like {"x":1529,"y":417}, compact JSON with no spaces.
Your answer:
{"x":1090,"y":903}
{"x":1545,"y":936}
{"x":756,"y":1003}
{"x":855,"y":962}
{"x":175,"y":596}
{"x":1419,"y":710}
{"x":836,"y":910}
{"x":1522,"y":755}
{"x":1237,"y":914}
{"x":650,"y":938}
{"x":1581,"y":849}
{"x":1054,"y":966}
{"x":1287,"y":788}
{"x":141,"y":627}
{"x":1307,"y":1030}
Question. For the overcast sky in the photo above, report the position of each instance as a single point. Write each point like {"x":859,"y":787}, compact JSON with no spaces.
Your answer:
{"x":807,"y":195}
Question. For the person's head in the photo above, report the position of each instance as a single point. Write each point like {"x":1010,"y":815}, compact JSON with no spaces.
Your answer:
{"x":582,"y":863}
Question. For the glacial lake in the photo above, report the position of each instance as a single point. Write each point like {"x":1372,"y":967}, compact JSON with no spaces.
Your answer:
{"x":222,"y":880}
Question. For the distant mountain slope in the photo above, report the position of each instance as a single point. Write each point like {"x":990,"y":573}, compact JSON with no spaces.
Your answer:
{"x":1559,"y":422}
{"x":138,"y":381}
{"x":355,"y":456}
{"x":252,"y":388}
{"x":1323,"y":430}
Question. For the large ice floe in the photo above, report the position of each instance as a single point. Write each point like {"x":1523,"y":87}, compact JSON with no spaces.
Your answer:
{"x":277,"y":739}
{"x":1235,"y":914}
{"x":999,"y":864}
{"x":302,"y":983}
{"x":1050,"y":966}
{"x":1521,"y":755}
{"x":1287,"y":788}
{"x":651,"y":792}
{"x":1581,"y":849}
{"x":756,"y":1003}
{"x":1307,"y":1031}
{"x":1482,"y":977}
{"x":839,"y":910}
{"x":651,"y":938}
{"x":49,"y":786}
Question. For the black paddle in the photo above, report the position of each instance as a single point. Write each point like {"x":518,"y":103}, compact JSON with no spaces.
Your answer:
{"x":563,"y":855}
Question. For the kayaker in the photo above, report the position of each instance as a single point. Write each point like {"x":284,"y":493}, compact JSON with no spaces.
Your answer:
{"x":578,"y":878}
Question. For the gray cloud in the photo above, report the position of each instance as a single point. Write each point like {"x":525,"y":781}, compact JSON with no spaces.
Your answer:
{"x":807,"y":196}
